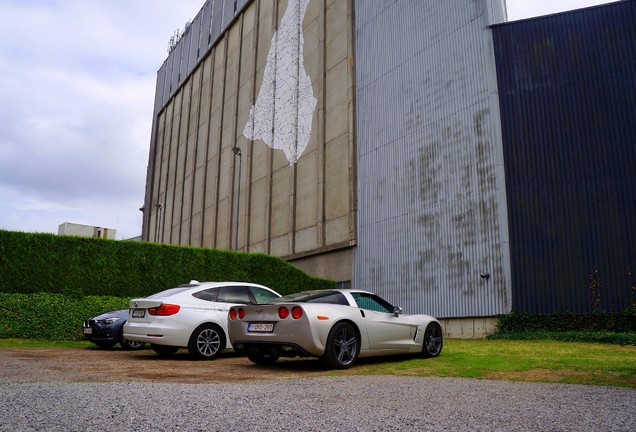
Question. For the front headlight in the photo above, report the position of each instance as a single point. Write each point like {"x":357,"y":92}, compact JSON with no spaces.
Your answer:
{"x":109,"y":321}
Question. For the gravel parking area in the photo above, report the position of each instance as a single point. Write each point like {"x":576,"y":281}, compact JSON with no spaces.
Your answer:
{"x":286,"y":398}
{"x":356,"y":403}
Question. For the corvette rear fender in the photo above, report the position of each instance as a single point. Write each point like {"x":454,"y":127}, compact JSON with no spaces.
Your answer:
{"x":324,"y":333}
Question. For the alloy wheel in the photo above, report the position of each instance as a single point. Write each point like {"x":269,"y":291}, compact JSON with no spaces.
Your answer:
{"x":208,"y":342}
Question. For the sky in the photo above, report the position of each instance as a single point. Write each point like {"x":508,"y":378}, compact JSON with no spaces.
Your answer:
{"x":77,"y":83}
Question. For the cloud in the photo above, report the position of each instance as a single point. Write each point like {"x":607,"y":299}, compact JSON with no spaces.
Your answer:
{"x":520,"y":9}
{"x":77,"y":82}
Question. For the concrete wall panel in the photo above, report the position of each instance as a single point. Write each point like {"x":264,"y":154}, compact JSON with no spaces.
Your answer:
{"x":281,"y":190}
{"x":307,"y":192}
{"x":338,"y":230}
{"x":306,"y":239}
{"x":281,"y":246}
{"x":337,"y":178}
{"x":259,"y":211}
{"x":337,"y":18}
{"x":336,"y":101}
{"x":198,"y":193}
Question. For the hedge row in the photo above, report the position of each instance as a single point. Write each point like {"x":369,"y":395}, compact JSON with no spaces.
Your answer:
{"x":571,"y":336}
{"x":78,"y":266}
{"x":622,"y":322}
{"x":51,"y":316}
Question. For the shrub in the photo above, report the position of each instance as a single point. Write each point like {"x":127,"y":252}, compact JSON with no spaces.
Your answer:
{"x":563,"y":322}
{"x":618,"y":328}
{"x":51,"y":316}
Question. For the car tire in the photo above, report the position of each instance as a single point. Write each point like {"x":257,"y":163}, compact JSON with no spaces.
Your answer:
{"x":343,"y":347}
{"x":164,"y":350}
{"x":263,"y":358}
{"x":206,"y":342}
{"x":105,"y":344}
{"x":433,"y":341}
{"x":131,"y":345}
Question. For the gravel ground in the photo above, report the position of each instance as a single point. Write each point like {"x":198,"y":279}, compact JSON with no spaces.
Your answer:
{"x":353,"y":403}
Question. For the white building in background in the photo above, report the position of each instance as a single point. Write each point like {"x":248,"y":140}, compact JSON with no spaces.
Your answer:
{"x":73,"y":229}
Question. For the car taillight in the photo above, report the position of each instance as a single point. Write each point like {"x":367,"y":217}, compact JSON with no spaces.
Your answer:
{"x":234,"y":313}
{"x":164,"y":310}
{"x":296,"y":312}
{"x":283,"y":312}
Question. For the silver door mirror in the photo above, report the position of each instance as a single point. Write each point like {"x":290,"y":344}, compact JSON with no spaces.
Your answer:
{"x":397,"y":311}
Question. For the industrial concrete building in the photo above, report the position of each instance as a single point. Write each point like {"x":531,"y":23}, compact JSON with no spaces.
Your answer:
{"x":361,"y":141}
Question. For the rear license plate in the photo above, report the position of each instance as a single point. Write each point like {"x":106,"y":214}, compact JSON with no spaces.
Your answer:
{"x":139,"y":313}
{"x":88,"y":330}
{"x":260,"y":327}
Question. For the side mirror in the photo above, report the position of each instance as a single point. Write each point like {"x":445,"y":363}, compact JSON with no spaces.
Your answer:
{"x":397,"y":311}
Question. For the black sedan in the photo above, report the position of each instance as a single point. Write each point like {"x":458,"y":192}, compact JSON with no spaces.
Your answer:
{"x":106,"y":330}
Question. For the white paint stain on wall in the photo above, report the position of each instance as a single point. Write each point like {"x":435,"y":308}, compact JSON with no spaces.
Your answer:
{"x":282,"y":114}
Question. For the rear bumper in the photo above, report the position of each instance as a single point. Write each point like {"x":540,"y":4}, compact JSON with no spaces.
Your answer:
{"x":284,"y":349}
{"x":156,"y":335}
{"x":296,"y":334}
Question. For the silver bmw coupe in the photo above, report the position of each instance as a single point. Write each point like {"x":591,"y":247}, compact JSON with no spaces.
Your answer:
{"x":337,"y":326}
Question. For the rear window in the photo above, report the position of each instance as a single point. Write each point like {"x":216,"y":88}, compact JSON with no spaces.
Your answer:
{"x":209,"y":294}
{"x":331,"y":297}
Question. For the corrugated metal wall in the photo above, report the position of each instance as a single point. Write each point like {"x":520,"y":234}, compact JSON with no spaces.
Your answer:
{"x":431,"y":204}
{"x":568,"y":104}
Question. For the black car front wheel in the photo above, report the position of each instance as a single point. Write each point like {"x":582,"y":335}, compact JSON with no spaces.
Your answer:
{"x":433,"y":341}
{"x":343,"y":347}
{"x":206,"y":342}
{"x":164,"y":350}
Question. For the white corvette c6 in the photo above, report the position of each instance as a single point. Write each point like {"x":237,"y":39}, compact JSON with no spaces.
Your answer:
{"x":337,"y":326}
